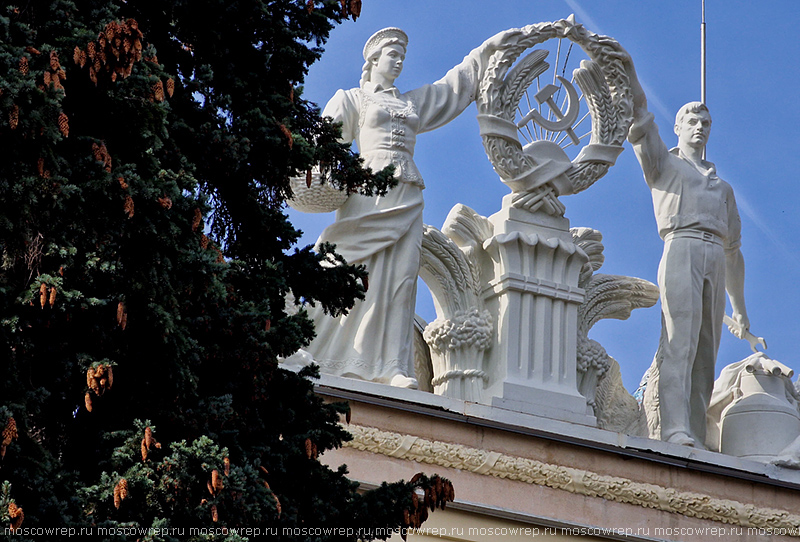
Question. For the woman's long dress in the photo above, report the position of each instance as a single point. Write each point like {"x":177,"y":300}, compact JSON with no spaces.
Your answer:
{"x":374,"y":341}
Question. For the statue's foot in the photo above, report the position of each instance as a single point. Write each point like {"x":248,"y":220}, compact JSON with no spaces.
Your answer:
{"x":403,"y":381}
{"x":682,"y":439}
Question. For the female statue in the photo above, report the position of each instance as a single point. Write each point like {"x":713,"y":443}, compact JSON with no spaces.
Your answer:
{"x":374,"y":341}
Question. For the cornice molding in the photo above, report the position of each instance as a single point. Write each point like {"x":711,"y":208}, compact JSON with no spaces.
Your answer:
{"x":578,"y":481}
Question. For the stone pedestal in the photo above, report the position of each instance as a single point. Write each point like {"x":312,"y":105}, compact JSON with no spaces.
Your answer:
{"x":534,"y":298}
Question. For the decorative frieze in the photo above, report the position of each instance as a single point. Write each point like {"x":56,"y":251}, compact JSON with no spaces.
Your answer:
{"x":578,"y":481}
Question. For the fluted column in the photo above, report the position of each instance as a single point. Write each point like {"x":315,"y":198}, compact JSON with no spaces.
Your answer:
{"x":535,"y":298}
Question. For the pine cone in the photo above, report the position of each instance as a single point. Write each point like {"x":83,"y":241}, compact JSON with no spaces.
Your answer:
{"x":87,"y":401}
{"x":10,"y":432}
{"x":63,"y":124}
{"x":148,"y":437}
{"x":287,"y":134}
{"x":158,"y":91}
{"x":13,"y":117}
{"x":120,"y":313}
{"x":227,"y":465}
{"x":55,"y":65}
{"x":92,"y":382}
{"x":355,"y":8}
{"x":23,"y":65}
{"x":97,"y":152}
{"x":16,"y":515}
{"x":216,"y":481}
{"x":52,"y":299}
{"x":120,"y":492}
{"x":100,"y":153}
{"x":197,"y":219}
{"x":128,"y":206}
{"x":43,"y":294}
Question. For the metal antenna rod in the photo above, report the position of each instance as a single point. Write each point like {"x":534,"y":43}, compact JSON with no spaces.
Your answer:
{"x":703,"y":59}
{"x":703,"y":53}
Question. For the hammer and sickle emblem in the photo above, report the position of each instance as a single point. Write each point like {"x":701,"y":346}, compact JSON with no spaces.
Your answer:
{"x":565,"y":120}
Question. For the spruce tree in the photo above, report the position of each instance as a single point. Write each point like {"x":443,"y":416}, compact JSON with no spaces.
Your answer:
{"x":145,"y":263}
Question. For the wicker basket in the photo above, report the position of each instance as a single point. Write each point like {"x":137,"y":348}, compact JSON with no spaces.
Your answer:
{"x":318,"y":198}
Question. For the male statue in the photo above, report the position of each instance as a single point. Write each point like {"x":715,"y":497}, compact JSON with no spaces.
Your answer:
{"x":697,"y":219}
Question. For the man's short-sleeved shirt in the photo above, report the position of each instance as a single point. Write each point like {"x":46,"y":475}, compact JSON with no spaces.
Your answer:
{"x":685,"y":196}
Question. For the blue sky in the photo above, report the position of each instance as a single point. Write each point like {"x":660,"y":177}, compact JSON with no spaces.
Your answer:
{"x":753,"y":81}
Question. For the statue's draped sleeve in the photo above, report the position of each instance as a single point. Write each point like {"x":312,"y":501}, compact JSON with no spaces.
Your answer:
{"x":343,"y":108}
{"x":442,"y":101}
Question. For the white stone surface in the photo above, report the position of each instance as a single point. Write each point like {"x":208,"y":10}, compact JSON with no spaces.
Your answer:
{"x":535,"y":296}
{"x":607,"y":296}
{"x":374,"y":341}
{"x":593,"y":437}
{"x":540,"y":171}
{"x":753,"y":411}
{"x":698,"y":220}
{"x":463,"y":330}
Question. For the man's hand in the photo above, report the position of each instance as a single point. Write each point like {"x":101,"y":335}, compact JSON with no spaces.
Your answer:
{"x":542,"y":198}
{"x":739,"y":325}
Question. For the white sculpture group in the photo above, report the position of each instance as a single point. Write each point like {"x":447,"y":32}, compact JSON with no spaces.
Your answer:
{"x":517,"y":293}
{"x":374,"y":341}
